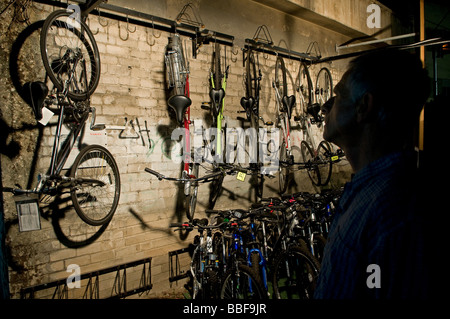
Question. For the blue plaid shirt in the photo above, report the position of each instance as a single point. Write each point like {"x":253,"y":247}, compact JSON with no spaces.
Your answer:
{"x":379,"y":221}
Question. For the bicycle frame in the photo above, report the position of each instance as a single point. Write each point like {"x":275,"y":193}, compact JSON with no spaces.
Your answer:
{"x":219,"y":117}
{"x":60,"y":154}
{"x":285,"y":122}
{"x":187,"y":134}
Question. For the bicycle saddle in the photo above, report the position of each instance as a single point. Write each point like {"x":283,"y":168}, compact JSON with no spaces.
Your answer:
{"x":34,"y":94}
{"x":288,"y":104}
{"x":216,"y":97}
{"x":247,"y":103}
{"x":179,"y":103}
{"x":313,"y":110}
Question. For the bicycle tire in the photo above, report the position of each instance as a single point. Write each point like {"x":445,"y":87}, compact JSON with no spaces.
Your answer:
{"x":95,"y":204}
{"x":326,"y":166}
{"x":242,"y":283}
{"x":252,"y":91}
{"x":304,"y":87}
{"x":280,"y":78}
{"x":283,"y":170}
{"x":257,"y":181}
{"x":191,"y":197}
{"x":319,"y":243}
{"x":215,"y":191}
{"x":217,"y":69}
{"x":309,"y":157}
{"x":302,"y":277}
{"x":216,"y":80}
{"x":324,"y":86}
{"x":252,"y":82}
{"x":58,"y":49}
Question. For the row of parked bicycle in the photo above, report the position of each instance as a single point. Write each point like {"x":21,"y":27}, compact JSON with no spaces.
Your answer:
{"x":271,"y":250}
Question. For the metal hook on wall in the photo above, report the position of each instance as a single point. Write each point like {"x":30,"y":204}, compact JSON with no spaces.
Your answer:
{"x":99,"y":20}
{"x":88,"y":21}
{"x":153,"y":31}
{"x":234,"y":53}
{"x":128,"y":30}
{"x":147,"y":38}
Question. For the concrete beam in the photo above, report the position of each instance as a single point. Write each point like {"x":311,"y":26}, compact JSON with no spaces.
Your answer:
{"x":347,"y":17}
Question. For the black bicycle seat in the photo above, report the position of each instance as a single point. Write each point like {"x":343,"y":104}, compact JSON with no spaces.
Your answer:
{"x":314,"y":110}
{"x":179,"y":103}
{"x":34,"y":93}
{"x":288,"y":104}
{"x":247,"y":103}
{"x":216,"y":97}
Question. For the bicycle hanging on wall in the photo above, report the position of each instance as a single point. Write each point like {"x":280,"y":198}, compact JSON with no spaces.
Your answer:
{"x":319,"y":157}
{"x":250,"y":104}
{"x":217,"y":146}
{"x":72,"y":62}
{"x":179,"y":101}
{"x":284,"y":107}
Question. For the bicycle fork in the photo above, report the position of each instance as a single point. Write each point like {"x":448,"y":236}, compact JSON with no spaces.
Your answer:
{"x":262,"y":263}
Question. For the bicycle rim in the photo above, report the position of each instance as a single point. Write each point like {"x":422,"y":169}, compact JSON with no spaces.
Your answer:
{"x":295,"y":274}
{"x":95,"y":203}
{"x":215,"y":191}
{"x":241,"y":283}
{"x":304,"y":87}
{"x":280,"y":78}
{"x":309,"y":157}
{"x":63,"y":42}
{"x":283,"y":169}
{"x":252,"y":82}
{"x":324,"y":86}
{"x":325,"y":164}
{"x":191,"y":199}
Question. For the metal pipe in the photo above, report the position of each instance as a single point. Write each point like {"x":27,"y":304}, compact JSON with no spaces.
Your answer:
{"x":376,"y":41}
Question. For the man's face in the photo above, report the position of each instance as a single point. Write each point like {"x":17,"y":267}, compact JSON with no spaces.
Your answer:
{"x":340,"y":115}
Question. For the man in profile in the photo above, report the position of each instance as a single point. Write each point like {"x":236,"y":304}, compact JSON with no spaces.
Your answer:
{"x":378,"y":243}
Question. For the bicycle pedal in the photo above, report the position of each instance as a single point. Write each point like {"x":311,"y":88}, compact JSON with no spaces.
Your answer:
{"x":206,"y":106}
{"x":98,"y":127}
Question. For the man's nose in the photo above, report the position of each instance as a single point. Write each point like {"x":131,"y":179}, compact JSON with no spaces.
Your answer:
{"x":326,"y":107}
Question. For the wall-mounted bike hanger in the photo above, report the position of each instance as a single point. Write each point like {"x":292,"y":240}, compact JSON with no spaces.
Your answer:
{"x":144,"y":19}
{"x":262,"y":42}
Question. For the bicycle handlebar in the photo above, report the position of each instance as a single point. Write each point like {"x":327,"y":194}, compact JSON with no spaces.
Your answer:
{"x":200,"y":179}
{"x":196,"y":223}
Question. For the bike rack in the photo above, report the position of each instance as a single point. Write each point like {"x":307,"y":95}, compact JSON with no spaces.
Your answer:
{"x":92,"y":288}
{"x":182,"y":26}
{"x":177,"y":274}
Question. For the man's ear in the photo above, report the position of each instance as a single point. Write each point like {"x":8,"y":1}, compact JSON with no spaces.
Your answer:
{"x":365,"y":109}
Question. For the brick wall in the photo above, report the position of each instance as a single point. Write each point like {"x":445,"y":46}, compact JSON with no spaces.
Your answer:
{"x":131,"y":90}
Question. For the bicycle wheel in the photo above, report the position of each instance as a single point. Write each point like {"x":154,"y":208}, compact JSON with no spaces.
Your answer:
{"x":257,"y":181}
{"x":324,"y":86}
{"x":96,"y":193}
{"x":319,"y":243}
{"x":283,"y":168}
{"x":295,"y":274}
{"x":280,"y":79}
{"x":191,"y":193}
{"x":304,"y":87}
{"x":252,"y":82}
{"x":215,"y":191}
{"x":70,"y":53}
{"x":216,"y":82}
{"x":241,"y":283}
{"x":309,"y":158}
{"x":325,"y":165}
